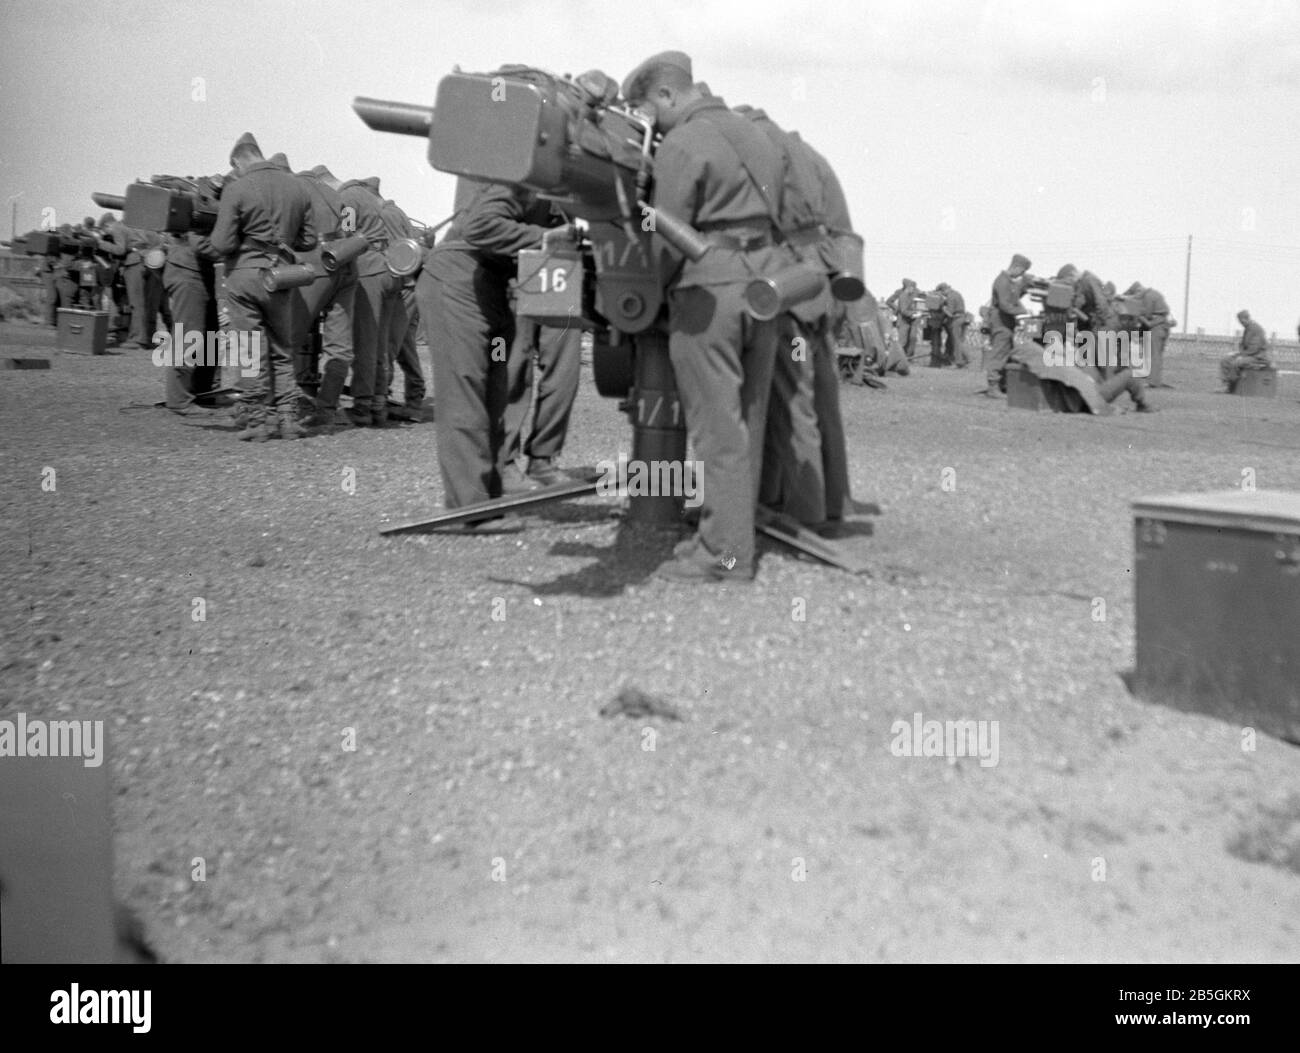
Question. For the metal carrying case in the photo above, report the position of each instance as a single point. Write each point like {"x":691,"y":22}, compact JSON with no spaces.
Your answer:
{"x":1218,"y":606}
{"x":1257,"y":383}
{"x":552,"y":286}
{"x":83,"y":332}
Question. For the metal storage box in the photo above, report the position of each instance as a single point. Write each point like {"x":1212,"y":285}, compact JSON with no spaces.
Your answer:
{"x":83,"y":332}
{"x":1257,"y":383}
{"x":1217,"y":579}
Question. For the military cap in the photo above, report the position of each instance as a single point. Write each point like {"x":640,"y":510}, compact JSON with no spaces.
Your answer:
{"x":244,"y":140}
{"x":321,"y":172}
{"x":106,"y":219}
{"x":632,"y":83}
{"x":1020,"y":261}
{"x":1068,"y":271}
{"x":1133,"y":289}
{"x":599,"y":86}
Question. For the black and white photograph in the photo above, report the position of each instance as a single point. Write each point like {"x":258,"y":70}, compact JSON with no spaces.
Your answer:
{"x":729,"y":481}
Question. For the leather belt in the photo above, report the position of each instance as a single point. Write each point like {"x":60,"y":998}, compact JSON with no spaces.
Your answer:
{"x":806,"y":236}
{"x":746,"y":241}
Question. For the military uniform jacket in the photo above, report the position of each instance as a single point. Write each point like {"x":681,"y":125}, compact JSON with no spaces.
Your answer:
{"x":1090,"y":298}
{"x":702,"y":179}
{"x":1254,"y":344}
{"x":326,"y":207}
{"x":904,"y":301}
{"x":194,"y":252}
{"x":496,"y":223}
{"x":262,"y":208}
{"x":1006,"y":301}
{"x":954,"y":306}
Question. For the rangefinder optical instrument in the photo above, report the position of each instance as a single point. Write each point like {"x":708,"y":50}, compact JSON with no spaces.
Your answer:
{"x":171,"y":211}
{"x":1053,"y":294}
{"x":54,"y":243}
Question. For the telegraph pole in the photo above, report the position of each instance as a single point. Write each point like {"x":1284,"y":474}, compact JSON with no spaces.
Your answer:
{"x":1187,"y":283}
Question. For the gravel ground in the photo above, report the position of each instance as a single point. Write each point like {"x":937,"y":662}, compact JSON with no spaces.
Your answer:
{"x":488,"y":812}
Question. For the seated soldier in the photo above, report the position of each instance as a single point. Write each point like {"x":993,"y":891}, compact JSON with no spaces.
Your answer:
{"x":1253,"y":353}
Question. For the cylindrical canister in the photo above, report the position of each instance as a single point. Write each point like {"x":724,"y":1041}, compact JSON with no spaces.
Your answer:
{"x":290,"y":276}
{"x":765,"y":298}
{"x":404,"y":257}
{"x":155,"y":258}
{"x":847,"y":285}
{"x":336,"y":254}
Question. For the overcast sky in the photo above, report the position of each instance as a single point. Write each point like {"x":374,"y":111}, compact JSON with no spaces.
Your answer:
{"x":1100,"y":134}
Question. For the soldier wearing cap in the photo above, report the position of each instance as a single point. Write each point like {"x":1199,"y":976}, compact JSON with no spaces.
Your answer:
{"x":1153,"y":319}
{"x":404,"y":323}
{"x":805,"y":461}
{"x":140,"y":287}
{"x":464,"y":297}
{"x":1252,"y":353}
{"x":954,"y":326}
{"x":1008,"y":288}
{"x":190,"y":298}
{"x":328,"y":301}
{"x":265,"y":216}
{"x":903,"y":304}
{"x":110,"y":250}
{"x":718,"y":172}
{"x":376,"y":301}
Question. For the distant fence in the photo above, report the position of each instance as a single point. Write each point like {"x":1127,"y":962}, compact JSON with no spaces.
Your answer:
{"x":1286,"y":353}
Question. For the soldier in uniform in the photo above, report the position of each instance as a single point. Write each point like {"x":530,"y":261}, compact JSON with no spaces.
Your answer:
{"x":68,"y":270}
{"x":954,"y":326}
{"x":464,"y":296}
{"x":1252,"y":353}
{"x":189,"y":284}
{"x":375,"y":304}
{"x":805,"y":460}
{"x":111,"y":249}
{"x":1154,"y":319}
{"x":330,"y":299}
{"x":143,"y":296}
{"x":265,"y":210}
{"x":49,"y":272}
{"x":903,"y":304}
{"x":715,"y":170}
{"x":1008,"y":288}
{"x":404,"y":322}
